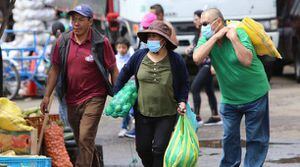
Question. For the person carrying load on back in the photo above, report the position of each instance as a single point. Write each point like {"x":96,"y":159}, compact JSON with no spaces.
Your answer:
{"x":82,"y":58}
{"x":244,"y":87}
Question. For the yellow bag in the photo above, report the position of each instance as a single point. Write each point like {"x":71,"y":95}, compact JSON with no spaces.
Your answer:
{"x":261,"y":41}
{"x":7,"y":105}
{"x":11,"y":117}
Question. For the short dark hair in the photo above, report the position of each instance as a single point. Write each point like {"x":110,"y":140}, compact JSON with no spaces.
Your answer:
{"x":123,"y":40}
{"x":198,"y":13}
{"x":158,"y":9}
{"x":57,"y":26}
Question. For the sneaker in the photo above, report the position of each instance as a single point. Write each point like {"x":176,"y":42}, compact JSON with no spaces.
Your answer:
{"x":213,"y":121}
{"x":122,"y":132}
{"x":200,"y":123}
{"x":130,"y":134}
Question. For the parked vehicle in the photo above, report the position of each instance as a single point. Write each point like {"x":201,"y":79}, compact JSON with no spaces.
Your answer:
{"x":289,"y":41}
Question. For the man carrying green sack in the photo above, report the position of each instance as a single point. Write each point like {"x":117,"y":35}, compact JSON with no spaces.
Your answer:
{"x":161,"y":78}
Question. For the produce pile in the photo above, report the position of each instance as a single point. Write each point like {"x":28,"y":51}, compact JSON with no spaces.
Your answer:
{"x":123,"y":101}
{"x":30,"y":15}
{"x":32,"y":112}
{"x":11,"y":118}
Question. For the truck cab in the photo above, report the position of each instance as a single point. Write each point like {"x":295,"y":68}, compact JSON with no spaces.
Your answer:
{"x":289,"y":38}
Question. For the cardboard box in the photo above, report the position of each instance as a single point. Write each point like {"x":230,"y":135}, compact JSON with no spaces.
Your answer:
{"x":23,"y":143}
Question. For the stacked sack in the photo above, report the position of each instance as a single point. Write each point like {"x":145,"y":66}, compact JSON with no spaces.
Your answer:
{"x":123,"y":101}
{"x":11,"y":118}
{"x":30,"y":15}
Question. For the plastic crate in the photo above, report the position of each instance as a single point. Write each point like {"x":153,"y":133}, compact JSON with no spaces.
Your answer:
{"x":25,"y":161}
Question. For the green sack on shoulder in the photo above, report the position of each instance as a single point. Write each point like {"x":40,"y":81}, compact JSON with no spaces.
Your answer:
{"x":183,"y":148}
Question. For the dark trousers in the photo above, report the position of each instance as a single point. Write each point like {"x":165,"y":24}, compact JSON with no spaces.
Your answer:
{"x":204,"y":79}
{"x":84,"y":120}
{"x":152,"y":138}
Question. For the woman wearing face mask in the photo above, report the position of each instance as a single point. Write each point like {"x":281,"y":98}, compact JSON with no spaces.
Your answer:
{"x":204,"y":77}
{"x":162,"y":82}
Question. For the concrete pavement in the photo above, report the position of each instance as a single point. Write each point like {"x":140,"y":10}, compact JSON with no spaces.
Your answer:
{"x":285,"y":132}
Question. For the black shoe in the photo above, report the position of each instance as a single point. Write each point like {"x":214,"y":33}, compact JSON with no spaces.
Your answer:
{"x":213,"y":121}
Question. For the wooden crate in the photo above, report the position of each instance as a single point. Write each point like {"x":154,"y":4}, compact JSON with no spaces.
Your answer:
{"x":23,"y":142}
{"x":37,"y":122}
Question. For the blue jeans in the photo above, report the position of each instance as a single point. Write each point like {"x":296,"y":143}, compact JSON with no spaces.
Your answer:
{"x":126,"y":119}
{"x":257,"y":133}
{"x":63,"y":111}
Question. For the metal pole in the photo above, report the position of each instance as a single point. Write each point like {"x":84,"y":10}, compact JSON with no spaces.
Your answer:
{"x":1,"y":74}
{"x":6,"y":8}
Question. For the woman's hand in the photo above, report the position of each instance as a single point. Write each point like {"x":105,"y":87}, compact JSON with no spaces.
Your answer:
{"x":181,"y":108}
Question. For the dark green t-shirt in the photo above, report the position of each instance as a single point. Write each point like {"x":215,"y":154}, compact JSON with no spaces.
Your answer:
{"x":155,"y":94}
{"x":238,"y":84}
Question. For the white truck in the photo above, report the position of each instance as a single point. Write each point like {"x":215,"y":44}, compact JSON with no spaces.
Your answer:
{"x":180,"y":14}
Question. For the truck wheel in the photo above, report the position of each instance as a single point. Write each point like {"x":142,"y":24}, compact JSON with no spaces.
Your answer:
{"x":297,"y":62}
{"x":268,"y":63}
{"x":278,"y":67}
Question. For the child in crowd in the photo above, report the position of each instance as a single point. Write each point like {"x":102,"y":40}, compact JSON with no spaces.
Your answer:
{"x":123,"y":55}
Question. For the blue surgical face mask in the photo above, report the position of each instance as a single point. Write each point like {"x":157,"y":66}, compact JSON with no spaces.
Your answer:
{"x":206,"y":31}
{"x":153,"y":45}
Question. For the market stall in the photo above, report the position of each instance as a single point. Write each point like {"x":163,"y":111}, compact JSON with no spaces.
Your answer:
{"x":29,"y":138}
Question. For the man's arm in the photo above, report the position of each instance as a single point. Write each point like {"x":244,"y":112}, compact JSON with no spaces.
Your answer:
{"x":51,"y":83}
{"x":203,"y":51}
{"x":114,"y":72}
{"x":244,"y":55}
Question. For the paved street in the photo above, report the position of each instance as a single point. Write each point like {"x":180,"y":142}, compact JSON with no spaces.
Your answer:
{"x":285,"y":132}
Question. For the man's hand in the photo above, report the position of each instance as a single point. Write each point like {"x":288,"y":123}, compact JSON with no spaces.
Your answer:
{"x":243,"y":54}
{"x":189,"y":50}
{"x":231,"y":34}
{"x":220,"y":34}
{"x":181,"y":108}
{"x":44,"y":104}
